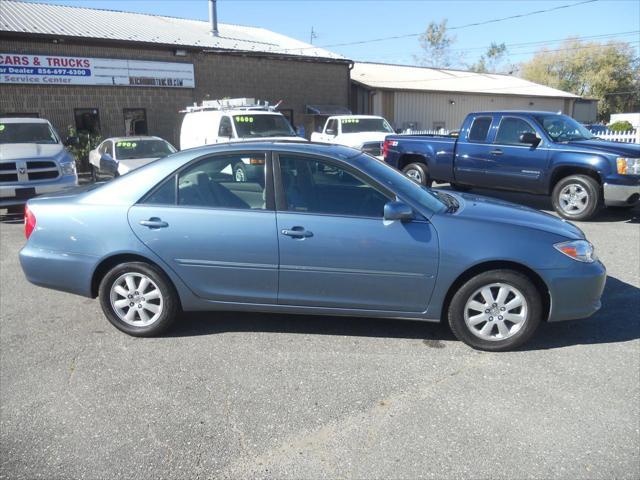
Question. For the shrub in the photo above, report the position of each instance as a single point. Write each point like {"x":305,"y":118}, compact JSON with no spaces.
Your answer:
{"x":621,"y":126}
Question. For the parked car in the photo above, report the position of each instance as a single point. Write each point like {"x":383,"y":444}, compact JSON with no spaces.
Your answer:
{"x":33,"y":161}
{"x":364,"y":132}
{"x":535,"y":152}
{"x":119,"y":155}
{"x":232,"y":120}
{"x":329,"y":232}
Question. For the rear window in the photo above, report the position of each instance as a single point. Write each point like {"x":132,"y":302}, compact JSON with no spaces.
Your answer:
{"x":27,"y":133}
{"x":480,"y":129}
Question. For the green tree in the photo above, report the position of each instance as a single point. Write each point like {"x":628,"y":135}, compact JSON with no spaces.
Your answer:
{"x":491,"y":60}
{"x":609,"y":72}
{"x":436,"y":43}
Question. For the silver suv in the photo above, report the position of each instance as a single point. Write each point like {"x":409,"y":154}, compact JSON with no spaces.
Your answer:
{"x":33,"y":161}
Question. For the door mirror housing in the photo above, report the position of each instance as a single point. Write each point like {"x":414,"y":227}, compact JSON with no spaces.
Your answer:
{"x":530,"y":139}
{"x":398,"y":131}
{"x":398,"y":211}
{"x":70,"y":141}
{"x":330,"y":131}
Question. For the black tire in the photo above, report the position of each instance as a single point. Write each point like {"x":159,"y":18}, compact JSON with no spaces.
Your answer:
{"x":583,"y":184}
{"x":516,"y":335}
{"x":418,"y":173}
{"x":94,"y":173}
{"x":170,"y":306}
{"x":240,"y":172}
{"x":460,"y":188}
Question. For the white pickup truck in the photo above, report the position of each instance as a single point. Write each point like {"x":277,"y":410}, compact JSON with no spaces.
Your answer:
{"x":364,"y":132}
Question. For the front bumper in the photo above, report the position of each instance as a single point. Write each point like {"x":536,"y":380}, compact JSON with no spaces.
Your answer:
{"x":20,"y":193}
{"x":616,"y":195}
{"x":576,"y":291}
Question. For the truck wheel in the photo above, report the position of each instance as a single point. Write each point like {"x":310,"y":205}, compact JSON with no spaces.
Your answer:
{"x":418,"y":173}
{"x":576,"y":197}
{"x":138,"y":299}
{"x":496,"y":311}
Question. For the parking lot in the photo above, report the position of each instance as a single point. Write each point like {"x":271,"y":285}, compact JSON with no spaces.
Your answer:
{"x":269,"y":396}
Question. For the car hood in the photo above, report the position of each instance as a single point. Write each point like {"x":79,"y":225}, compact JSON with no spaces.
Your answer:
{"x":499,"y":211}
{"x":615,"y":148}
{"x":357,"y":139}
{"x":20,"y":151}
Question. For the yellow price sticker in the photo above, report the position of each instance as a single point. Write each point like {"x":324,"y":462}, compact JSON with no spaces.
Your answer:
{"x":1,"y":128}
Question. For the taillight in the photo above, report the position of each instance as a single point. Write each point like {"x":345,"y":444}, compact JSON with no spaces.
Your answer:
{"x":386,"y":145}
{"x":29,"y":222}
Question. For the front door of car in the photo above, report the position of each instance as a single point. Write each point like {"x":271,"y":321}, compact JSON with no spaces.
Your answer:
{"x":336,"y":251}
{"x":217,"y":234}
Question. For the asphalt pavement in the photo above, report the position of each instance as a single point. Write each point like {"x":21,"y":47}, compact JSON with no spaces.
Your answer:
{"x":228,"y":395}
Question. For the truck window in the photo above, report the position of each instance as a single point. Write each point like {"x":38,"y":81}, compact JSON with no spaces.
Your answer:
{"x":27,"y":133}
{"x":262,"y":125}
{"x":510,"y":130}
{"x":480,"y":129}
{"x":332,"y":127}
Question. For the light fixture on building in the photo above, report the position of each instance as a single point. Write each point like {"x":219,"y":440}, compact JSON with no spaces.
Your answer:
{"x":180,"y":52}
{"x":452,"y":102}
{"x":531,"y":104}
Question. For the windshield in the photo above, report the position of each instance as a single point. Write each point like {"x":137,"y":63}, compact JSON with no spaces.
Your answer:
{"x":562,"y":128}
{"x":356,"y":125}
{"x":259,"y":126}
{"x":135,"y":149}
{"x":27,"y":133}
{"x":402,"y":185}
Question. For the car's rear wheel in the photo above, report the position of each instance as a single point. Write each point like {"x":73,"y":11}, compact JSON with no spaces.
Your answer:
{"x":496,"y":310}
{"x":576,"y":197}
{"x":138,"y":299}
{"x":94,"y":172}
{"x":418,"y":173}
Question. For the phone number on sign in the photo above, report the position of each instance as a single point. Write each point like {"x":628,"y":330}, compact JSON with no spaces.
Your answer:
{"x":77,"y":72}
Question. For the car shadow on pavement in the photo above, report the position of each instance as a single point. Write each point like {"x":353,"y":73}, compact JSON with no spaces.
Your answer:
{"x":617,"y":321}
{"x":541,"y":202}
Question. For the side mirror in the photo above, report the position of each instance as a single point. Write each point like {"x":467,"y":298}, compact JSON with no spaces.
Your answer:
{"x":529,"y":138}
{"x":398,"y":211}
{"x":330,"y":131}
{"x":70,"y":141}
{"x":398,"y":131}
{"x":108,"y":164}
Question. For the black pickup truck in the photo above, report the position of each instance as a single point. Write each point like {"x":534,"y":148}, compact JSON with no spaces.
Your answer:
{"x":536,"y":152}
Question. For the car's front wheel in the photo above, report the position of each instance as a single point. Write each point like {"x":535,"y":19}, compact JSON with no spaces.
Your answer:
{"x":138,"y":299}
{"x":496,"y":310}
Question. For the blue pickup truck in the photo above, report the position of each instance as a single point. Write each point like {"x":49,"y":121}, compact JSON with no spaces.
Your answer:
{"x":536,"y":152}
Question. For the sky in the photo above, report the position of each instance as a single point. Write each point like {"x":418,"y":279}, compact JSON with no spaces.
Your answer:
{"x":344,"y":21}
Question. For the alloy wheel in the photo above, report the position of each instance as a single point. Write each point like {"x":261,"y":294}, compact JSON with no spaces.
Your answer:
{"x":573,"y":199}
{"x":136,"y":299}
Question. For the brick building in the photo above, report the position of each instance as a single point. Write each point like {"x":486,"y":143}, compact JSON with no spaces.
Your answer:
{"x":115,"y":73}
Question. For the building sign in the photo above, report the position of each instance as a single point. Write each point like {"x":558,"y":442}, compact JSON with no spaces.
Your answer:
{"x":55,"y":70}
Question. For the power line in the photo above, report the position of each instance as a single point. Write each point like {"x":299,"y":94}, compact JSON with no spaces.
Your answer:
{"x":459,"y":27}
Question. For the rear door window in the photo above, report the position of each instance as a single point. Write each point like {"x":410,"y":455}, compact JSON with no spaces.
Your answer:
{"x":480,"y":129}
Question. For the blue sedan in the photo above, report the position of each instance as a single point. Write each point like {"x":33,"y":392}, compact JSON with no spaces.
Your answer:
{"x":321,"y":229}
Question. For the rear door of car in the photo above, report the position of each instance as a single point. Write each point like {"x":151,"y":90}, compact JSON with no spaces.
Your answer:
{"x":337,"y":251}
{"x":217,"y":234}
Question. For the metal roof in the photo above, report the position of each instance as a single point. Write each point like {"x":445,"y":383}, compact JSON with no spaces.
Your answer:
{"x":65,"y":21}
{"x":404,"y":77}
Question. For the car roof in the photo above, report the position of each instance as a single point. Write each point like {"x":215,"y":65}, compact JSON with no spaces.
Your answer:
{"x":292,"y":146}
{"x":517,"y":112}
{"x":132,"y":139}
{"x":356,"y":116}
{"x":232,"y":111}
{"x":22,"y":120}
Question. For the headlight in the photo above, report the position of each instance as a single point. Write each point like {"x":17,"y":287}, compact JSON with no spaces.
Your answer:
{"x":68,"y":168}
{"x":579,"y":250}
{"x":628,"y":166}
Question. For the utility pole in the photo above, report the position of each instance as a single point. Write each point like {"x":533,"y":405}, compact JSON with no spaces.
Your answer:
{"x":312,"y":36}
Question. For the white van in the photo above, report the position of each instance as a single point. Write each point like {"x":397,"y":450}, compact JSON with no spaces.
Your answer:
{"x":233,"y":120}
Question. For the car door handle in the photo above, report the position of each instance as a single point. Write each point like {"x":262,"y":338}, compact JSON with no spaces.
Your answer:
{"x":154,"y":222}
{"x":297,"y":232}
{"x":497,"y":151}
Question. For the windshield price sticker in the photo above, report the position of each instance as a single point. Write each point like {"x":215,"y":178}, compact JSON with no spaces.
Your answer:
{"x":350,"y":120}
{"x":126,"y":144}
{"x":244,"y":119}
{"x":1,"y":128}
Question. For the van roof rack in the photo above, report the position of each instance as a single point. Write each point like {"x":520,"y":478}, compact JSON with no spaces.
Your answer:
{"x":232,"y":104}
